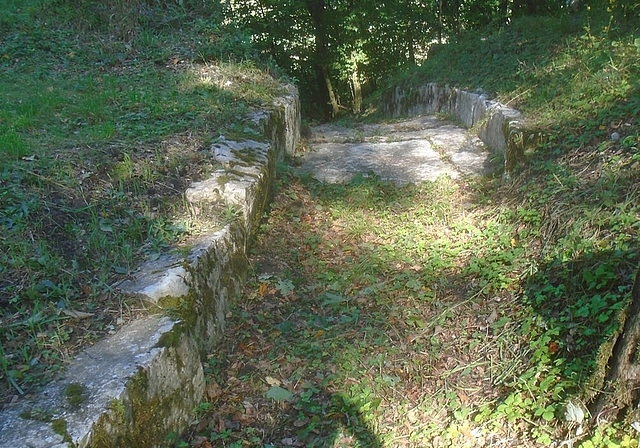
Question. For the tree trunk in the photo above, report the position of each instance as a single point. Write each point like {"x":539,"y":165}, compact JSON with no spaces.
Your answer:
{"x":356,"y":92}
{"x":327,"y":97}
{"x":504,"y":11}
{"x":440,"y":21}
{"x":621,"y":392}
{"x":411,"y":44}
{"x":333,"y":100}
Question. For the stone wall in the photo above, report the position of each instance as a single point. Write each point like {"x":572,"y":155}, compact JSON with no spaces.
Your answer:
{"x":144,"y":382}
{"x":501,"y":128}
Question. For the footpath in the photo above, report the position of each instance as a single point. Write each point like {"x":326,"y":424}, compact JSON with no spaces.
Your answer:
{"x":408,"y":151}
{"x":357,"y":327}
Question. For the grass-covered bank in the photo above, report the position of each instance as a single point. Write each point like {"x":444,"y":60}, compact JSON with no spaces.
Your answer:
{"x":575,"y":77}
{"x":577,"y":80}
{"x":576,"y":195}
{"x":107,"y":113}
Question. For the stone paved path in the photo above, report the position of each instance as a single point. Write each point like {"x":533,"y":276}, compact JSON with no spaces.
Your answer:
{"x":409,"y":151}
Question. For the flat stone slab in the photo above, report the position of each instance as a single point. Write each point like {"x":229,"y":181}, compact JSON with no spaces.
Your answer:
{"x":409,"y":151}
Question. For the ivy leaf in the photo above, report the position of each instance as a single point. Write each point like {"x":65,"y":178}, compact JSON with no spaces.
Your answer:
{"x":277,"y":393}
{"x":334,"y":299}
{"x":285,"y":287}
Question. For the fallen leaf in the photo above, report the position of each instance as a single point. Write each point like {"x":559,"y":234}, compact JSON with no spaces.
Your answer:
{"x":77,"y":314}
{"x":466,"y":431}
{"x":574,"y":413}
{"x":464,"y":398}
{"x":249,"y":409}
{"x":272,"y":381}
{"x":301,"y":423}
{"x":412,"y":416}
{"x":200,"y":442}
{"x":280,"y":394}
{"x":212,"y":391}
{"x":290,"y":441}
{"x":106,"y":227}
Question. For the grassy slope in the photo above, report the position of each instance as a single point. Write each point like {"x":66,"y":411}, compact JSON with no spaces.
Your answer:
{"x":576,"y":197}
{"x":107,"y":111}
{"x":570,"y":74}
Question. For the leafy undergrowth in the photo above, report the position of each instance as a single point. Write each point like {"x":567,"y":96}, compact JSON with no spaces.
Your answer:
{"x":452,"y":313}
{"x":102,"y":127}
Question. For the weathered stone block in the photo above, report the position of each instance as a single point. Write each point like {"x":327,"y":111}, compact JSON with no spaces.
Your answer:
{"x":501,"y":128}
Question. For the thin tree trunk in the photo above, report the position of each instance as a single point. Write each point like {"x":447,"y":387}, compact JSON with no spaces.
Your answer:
{"x":440,"y":21}
{"x":356,"y":92}
{"x":411,"y":43}
{"x":333,"y":100}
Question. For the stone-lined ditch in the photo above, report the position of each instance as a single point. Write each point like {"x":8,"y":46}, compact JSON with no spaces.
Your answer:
{"x":143,"y":383}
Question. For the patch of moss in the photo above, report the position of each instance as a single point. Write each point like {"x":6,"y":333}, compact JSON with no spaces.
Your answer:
{"x":147,"y":429}
{"x":74,"y":393}
{"x":224,"y":179}
{"x":171,"y":338}
{"x":117,"y":407}
{"x":240,"y":135}
{"x":104,"y":434}
{"x":241,"y":174}
{"x":59,"y":426}
{"x":36,"y":414}
{"x":134,"y":423}
{"x":179,"y":308}
{"x":248,"y":156}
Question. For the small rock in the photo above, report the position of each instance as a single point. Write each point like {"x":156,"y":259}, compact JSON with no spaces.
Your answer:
{"x":615,"y":136}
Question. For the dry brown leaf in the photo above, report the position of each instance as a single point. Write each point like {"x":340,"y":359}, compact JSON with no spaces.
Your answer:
{"x":212,"y":391}
{"x":272,"y":381}
{"x":77,"y":314}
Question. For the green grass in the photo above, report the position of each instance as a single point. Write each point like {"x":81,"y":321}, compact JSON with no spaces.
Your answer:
{"x":102,"y":127}
{"x":449,"y":313}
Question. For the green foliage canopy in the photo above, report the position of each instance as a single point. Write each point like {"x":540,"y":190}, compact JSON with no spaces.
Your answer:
{"x":339,"y":50}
